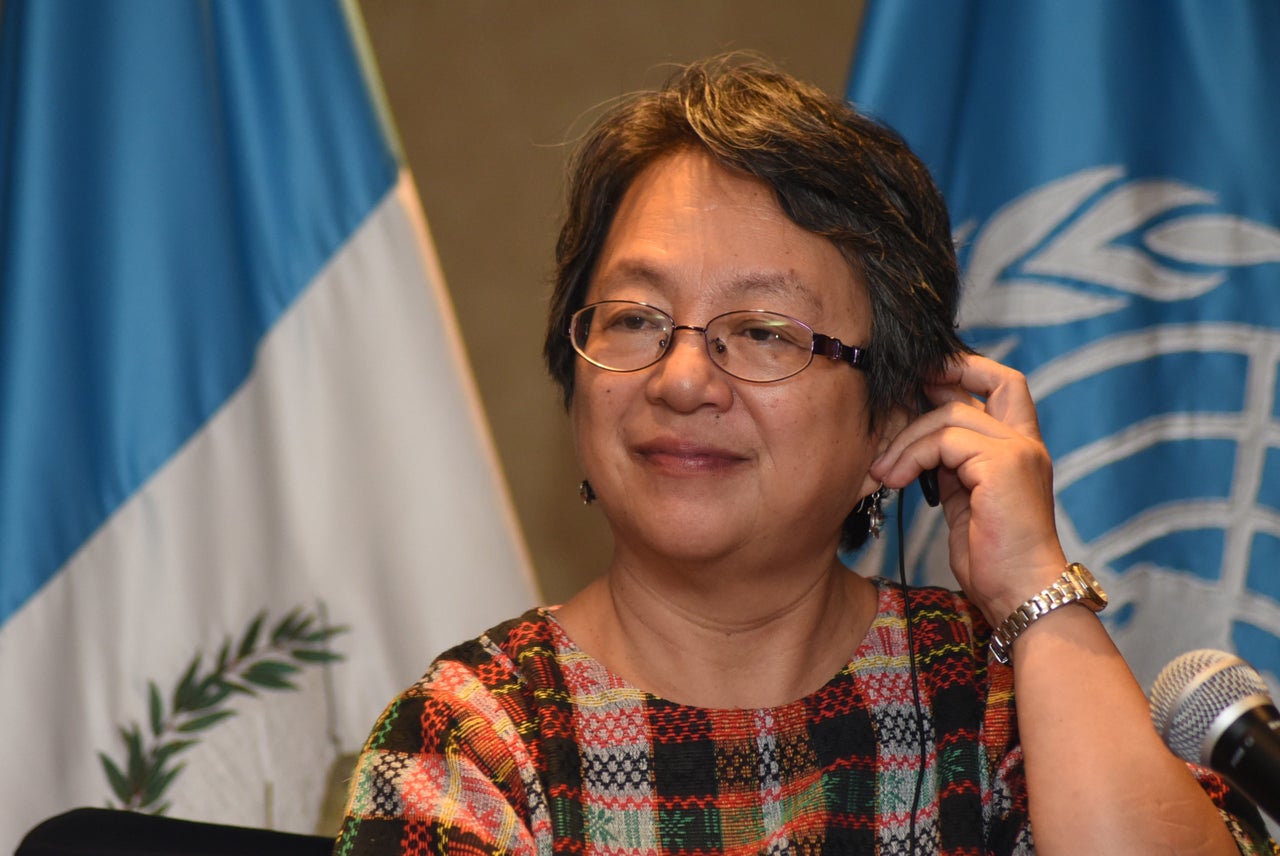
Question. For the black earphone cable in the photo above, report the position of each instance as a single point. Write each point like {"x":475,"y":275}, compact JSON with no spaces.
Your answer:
{"x":915,"y":674}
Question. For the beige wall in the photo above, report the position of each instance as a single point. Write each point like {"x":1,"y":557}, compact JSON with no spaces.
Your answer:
{"x":485,"y":95}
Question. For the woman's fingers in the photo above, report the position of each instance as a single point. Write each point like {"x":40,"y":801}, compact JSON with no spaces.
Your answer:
{"x":944,"y":437}
{"x":1002,"y":391}
{"x":974,"y":395}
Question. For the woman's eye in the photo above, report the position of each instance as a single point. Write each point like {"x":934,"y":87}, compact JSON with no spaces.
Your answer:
{"x":632,"y":323}
{"x":765,"y":334}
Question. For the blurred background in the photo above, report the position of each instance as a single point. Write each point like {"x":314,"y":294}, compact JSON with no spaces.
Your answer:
{"x":488,"y":97}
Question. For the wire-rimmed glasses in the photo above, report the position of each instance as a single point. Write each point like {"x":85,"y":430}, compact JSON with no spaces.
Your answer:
{"x":751,"y":344}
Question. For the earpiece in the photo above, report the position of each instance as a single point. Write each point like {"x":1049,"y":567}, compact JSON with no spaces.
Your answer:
{"x":929,"y":478}
{"x":929,"y":487}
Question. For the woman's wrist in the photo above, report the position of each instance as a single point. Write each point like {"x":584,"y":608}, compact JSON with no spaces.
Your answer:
{"x":1075,"y":585}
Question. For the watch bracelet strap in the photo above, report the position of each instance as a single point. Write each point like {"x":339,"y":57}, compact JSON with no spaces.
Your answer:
{"x":1065,"y":590}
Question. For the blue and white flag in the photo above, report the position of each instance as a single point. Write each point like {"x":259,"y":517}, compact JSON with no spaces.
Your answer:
{"x":1113,"y":179}
{"x":246,"y":488}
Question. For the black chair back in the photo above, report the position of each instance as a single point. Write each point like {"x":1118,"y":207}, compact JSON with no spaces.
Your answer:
{"x":104,"y":832}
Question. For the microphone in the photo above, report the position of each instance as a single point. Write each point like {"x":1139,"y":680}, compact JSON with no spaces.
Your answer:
{"x":1213,"y":709}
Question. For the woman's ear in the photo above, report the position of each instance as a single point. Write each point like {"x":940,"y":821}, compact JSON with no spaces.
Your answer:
{"x":887,"y":428}
{"x":890,"y":426}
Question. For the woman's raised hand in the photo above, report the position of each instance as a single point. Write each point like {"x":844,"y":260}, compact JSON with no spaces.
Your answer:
{"x":995,"y":481}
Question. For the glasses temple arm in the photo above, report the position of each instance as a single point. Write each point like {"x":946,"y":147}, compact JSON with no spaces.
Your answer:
{"x":833,"y":348}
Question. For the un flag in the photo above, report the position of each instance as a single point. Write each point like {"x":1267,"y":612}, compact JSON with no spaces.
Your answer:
{"x":1113,"y":177}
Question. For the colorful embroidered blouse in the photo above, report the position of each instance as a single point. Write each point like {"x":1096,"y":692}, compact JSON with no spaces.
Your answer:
{"x":519,"y":742}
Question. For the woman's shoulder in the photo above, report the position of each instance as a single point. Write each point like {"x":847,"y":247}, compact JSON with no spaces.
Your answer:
{"x":508,"y":640}
{"x":937,"y":603}
{"x":944,"y":624}
{"x":496,"y":657}
{"x":493,"y":677}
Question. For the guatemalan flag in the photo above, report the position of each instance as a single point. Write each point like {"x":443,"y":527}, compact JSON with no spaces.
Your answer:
{"x":246,"y":489}
{"x":1113,"y":175}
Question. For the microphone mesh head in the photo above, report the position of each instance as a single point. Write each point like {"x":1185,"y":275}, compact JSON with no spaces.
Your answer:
{"x":1192,"y":690}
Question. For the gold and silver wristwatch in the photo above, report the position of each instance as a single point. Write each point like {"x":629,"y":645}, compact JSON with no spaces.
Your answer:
{"x":1076,"y":585}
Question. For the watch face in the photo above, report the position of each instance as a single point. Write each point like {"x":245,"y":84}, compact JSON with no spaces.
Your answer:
{"x":1091,"y":585}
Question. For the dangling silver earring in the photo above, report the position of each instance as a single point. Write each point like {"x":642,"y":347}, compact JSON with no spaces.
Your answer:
{"x":873,"y":506}
{"x":585,"y":491}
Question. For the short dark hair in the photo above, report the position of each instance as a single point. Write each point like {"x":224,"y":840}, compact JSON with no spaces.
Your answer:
{"x":836,"y":172}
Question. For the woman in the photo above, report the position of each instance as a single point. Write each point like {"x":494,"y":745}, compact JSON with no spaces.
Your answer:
{"x":756,"y":293}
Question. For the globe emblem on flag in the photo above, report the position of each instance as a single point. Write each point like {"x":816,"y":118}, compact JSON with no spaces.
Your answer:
{"x":1138,"y":310}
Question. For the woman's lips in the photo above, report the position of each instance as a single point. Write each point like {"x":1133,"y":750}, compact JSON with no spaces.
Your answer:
{"x":684,"y":457}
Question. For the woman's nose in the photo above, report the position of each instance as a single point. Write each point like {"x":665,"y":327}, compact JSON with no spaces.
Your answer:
{"x":686,"y":378}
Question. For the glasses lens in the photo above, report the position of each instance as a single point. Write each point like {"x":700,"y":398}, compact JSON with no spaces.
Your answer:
{"x":759,"y":346}
{"x":620,"y":335}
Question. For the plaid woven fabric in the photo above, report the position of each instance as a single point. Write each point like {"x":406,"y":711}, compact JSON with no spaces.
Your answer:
{"x":520,"y":743}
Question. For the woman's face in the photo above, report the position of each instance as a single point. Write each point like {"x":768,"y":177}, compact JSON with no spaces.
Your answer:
{"x":687,"y":462}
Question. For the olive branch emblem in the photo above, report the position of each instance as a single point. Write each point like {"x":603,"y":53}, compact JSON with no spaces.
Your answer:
{"x":1083,"y":245}
{"x":202,"y":699}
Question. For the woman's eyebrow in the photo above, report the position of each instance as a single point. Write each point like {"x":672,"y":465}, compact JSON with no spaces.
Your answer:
{"x":766,"y":284}
{"x":744,"y":286}
{"x":630,"y":274}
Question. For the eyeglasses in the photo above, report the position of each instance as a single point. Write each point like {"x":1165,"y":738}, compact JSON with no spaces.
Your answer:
{"x":752,"y":345}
